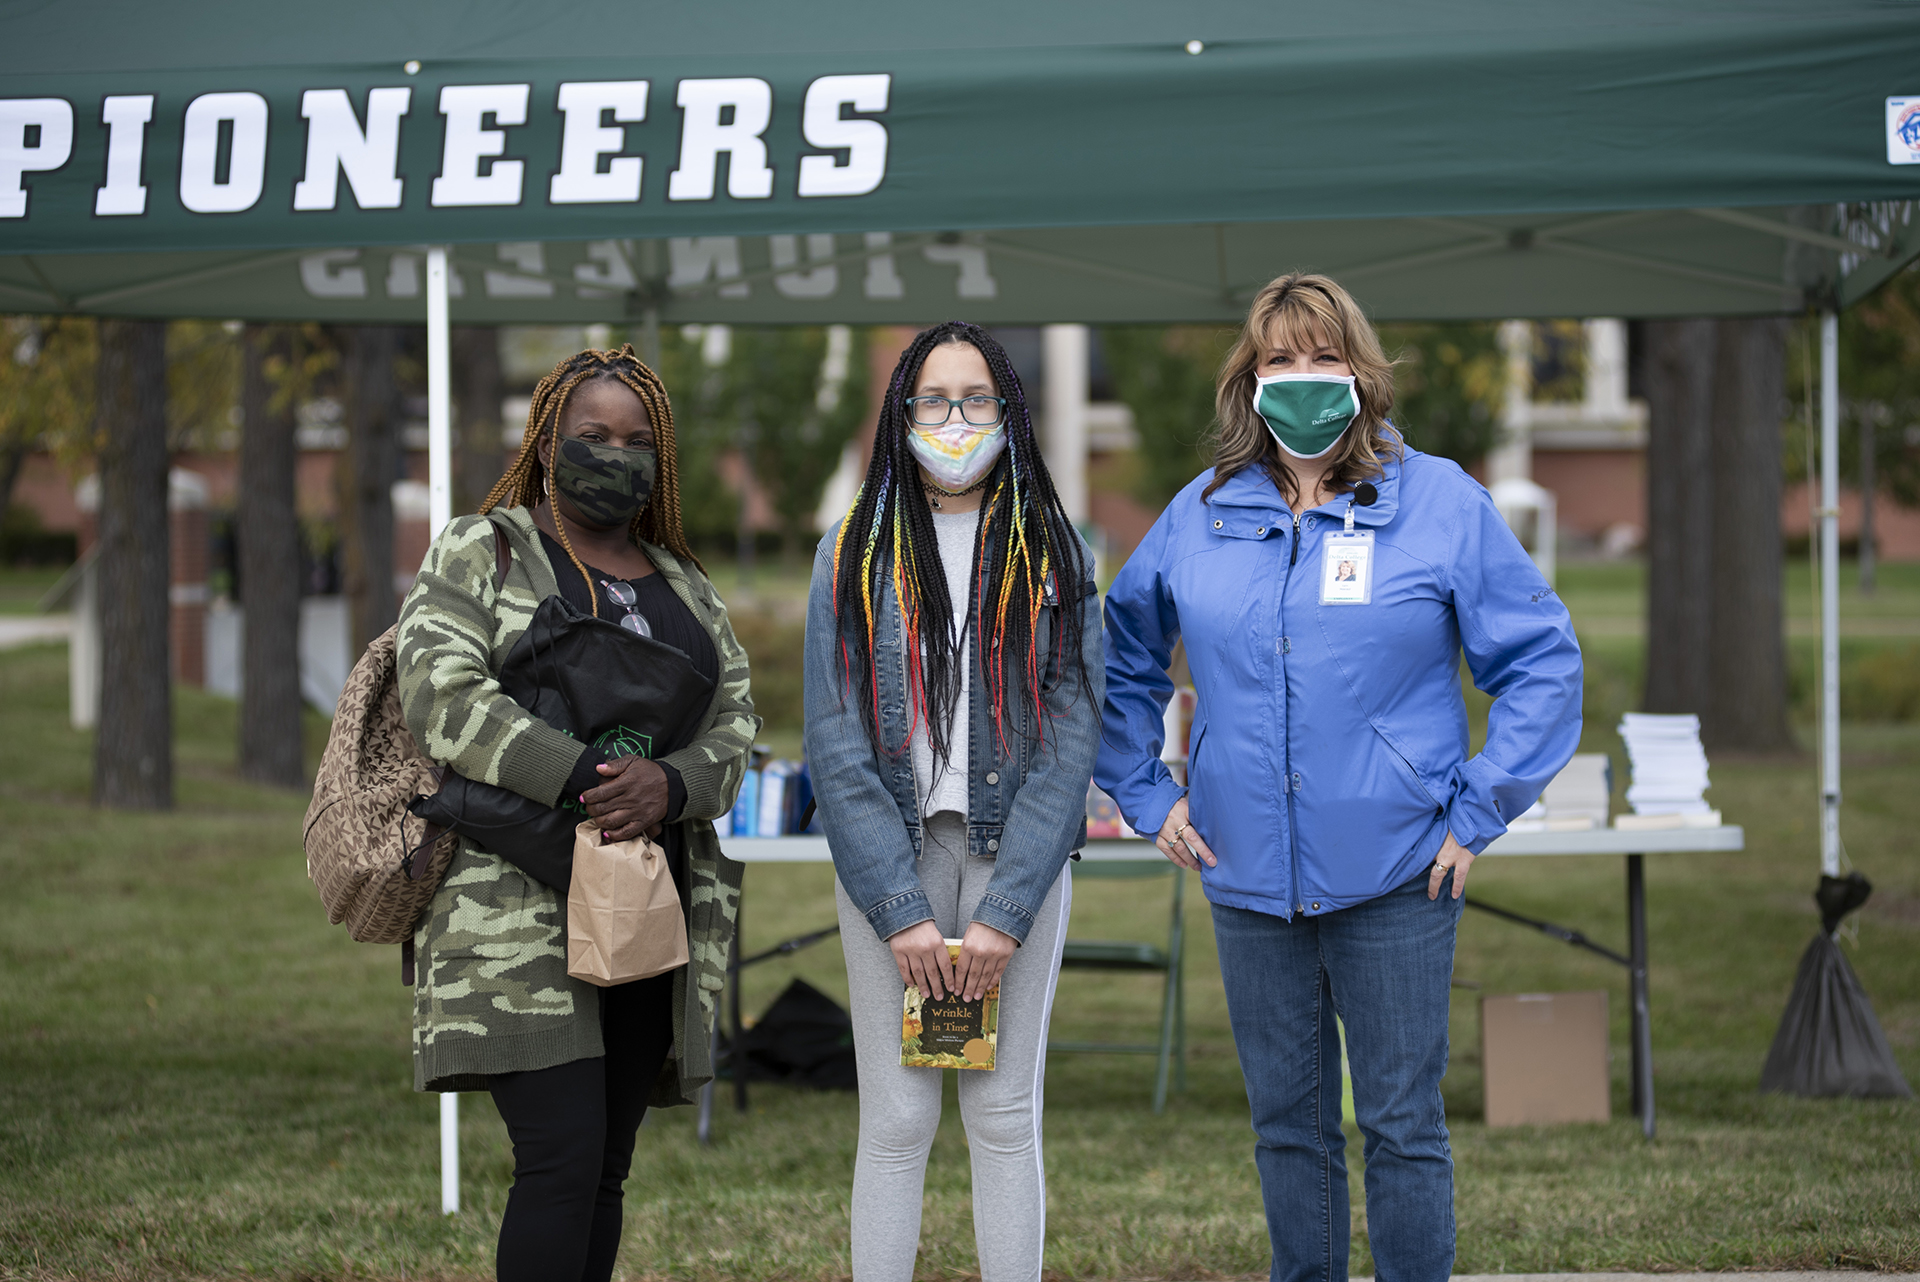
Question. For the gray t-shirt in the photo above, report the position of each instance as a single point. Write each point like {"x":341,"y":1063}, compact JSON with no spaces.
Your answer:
{"x":944,"y":787}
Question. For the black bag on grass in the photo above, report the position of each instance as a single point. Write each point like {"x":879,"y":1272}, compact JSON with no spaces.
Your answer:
{"x":626,"y":694}
{"x":804,"y":1038}
{"x":1830,"y":1042}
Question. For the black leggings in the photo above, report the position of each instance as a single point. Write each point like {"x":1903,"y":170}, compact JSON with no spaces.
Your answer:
{"x":573,"y":1129}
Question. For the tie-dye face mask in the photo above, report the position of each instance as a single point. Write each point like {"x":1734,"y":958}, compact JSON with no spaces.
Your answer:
{"x":957,"y":454}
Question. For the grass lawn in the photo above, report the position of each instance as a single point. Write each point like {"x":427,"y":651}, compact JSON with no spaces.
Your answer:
{"x":200,"y":1078}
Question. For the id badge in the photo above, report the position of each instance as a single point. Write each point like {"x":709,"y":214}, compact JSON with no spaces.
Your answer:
{"x":1346,"y":568}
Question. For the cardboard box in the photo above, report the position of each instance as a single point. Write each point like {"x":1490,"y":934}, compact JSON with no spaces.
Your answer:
{"x":1544,"y":1058}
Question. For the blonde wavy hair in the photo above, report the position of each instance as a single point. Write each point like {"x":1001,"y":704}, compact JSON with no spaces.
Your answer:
{"x":1303,"y":310}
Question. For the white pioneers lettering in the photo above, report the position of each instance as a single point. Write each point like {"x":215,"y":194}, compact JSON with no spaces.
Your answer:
{"x":47,"y":146}
{"x":703,"y":137}
{"x":201,"y":188}
{"x":864,"y":141}
{"x":470,"y":144}
{"x":224,"y":140}
{"x":585,"y":140}
{"x":336,"y":142}
{"x":126,"y":117}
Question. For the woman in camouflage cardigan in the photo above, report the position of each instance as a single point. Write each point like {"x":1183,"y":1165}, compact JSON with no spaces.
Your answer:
{"x":572,"y":1067}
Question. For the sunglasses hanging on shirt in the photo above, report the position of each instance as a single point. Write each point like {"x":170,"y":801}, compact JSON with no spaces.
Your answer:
{"x":621,"y":593}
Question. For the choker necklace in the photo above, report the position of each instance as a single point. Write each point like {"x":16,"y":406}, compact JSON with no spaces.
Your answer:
{"x":935,"y":493}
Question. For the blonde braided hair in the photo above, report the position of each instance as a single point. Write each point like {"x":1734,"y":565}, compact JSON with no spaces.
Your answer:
{"x":530,"y":478}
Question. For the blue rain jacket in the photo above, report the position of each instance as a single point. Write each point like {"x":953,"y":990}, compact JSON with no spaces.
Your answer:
{"x":1329,"y":745}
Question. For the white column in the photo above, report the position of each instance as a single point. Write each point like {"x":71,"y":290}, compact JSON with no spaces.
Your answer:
{"x":1606,"y":381}
{"x":1830,"y":594}
{"x":1512,"y":458}
{"x":83,"y":651}
{"x":439,"y":397}
{"x":1065,"y":442}
{"x":439,"y":512}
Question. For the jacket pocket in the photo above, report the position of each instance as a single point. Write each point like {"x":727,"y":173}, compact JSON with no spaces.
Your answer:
{"x":1357,"y":814}
{"x":1200,"y":796}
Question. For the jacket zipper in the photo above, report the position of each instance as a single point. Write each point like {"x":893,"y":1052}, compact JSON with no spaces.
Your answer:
{"x":1286,"y":740}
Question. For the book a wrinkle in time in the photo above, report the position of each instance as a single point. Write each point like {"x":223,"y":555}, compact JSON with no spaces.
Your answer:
{"x":949,"y":1033}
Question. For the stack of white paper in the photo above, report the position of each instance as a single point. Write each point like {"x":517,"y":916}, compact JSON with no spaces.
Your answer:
{"x":1575,"y":800}
{"x":1669,"y":767}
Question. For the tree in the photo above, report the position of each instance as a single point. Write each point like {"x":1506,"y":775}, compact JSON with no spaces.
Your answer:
{"x":794,"y":397}
{"x":267,"y":530}
{"x":1715,"y":642}
{"x":709,"y":510}
{"x":133,"y":747}
{"x":203,"y":383}
{"x":478,"y":387}
{"x":46,"y":392}
{"x":371,"y":464}
{"x":1165,"y":376}
{"x":1448,"y":382}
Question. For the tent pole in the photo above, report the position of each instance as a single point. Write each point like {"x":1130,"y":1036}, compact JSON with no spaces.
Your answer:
{"x":439,"y":512}
{"x":1830,"y":594}
{"x":439,"y":407}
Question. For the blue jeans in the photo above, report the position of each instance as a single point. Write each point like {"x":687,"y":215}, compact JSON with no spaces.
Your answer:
{"x":1384,"y":967}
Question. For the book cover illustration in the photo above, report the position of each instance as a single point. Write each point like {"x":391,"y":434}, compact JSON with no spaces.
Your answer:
{"x":949,"y":1033}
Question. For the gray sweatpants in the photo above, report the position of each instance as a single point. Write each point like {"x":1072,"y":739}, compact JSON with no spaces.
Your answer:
{"x":900,"y":1107}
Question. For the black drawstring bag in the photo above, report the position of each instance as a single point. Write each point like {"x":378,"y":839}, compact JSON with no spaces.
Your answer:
{"x":1830,"y":1042}
{"x":626,"y":694}
{"x":804,"y":1039}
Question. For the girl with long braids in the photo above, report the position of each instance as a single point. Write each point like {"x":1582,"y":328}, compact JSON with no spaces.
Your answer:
{"x":953,"y":686}
{"x":590,"y":510}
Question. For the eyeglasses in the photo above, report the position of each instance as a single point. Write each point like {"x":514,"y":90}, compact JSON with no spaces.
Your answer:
{"x":977,"y":411}
{"x":623,"y":595}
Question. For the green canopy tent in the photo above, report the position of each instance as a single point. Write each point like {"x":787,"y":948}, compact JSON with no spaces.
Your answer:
{"x":749,"y":162}
{"x":861,"y":162}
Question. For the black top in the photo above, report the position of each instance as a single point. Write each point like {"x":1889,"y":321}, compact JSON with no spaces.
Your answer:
{"x":671,"y":622}
{"x":668,"y":616}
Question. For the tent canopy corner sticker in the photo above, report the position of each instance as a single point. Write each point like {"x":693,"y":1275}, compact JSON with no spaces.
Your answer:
{"x":788,"y":168}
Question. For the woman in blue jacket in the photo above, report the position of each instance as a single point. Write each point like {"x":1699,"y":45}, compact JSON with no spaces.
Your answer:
{"x":953,"y":687}
{"x":1325,"y":579}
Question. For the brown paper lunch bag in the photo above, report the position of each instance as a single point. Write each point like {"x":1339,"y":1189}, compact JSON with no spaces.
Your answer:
{"x":623,"y":911}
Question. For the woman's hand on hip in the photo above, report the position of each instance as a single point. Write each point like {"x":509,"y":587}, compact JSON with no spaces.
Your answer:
{"x":1179,"y":841}
{"x":920,"y":951}
{"x":1453,"y":860}
{"x":632,"y":801}
{"x":984,"y":954}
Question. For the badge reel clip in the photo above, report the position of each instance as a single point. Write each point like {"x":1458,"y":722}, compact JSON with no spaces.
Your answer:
{"x":1346,"y":559}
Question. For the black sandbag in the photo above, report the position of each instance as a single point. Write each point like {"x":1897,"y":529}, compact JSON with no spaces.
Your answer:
{"x":624,"y":693}
{"x":1830,"y":1042}
{"x":804,"y":1038}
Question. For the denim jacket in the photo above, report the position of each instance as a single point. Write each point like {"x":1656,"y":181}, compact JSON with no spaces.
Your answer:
{"x":1026,"y":800}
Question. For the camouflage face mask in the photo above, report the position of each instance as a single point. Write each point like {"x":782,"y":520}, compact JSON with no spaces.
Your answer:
{"x":606,"y":485}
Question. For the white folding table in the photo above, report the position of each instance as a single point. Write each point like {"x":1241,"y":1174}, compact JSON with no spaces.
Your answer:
{"x":1635,"y":845}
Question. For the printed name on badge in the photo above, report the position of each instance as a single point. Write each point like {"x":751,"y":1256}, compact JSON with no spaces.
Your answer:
{"x":1346,"y":569}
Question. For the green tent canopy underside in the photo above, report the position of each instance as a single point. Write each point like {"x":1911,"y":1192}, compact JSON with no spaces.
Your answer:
{"x":1098,"y":160}
{"x":1644,"y":263}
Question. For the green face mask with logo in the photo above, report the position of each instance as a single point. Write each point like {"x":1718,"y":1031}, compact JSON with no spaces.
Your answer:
{"x":605,"y":484}
{"x":1307,"y":413}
